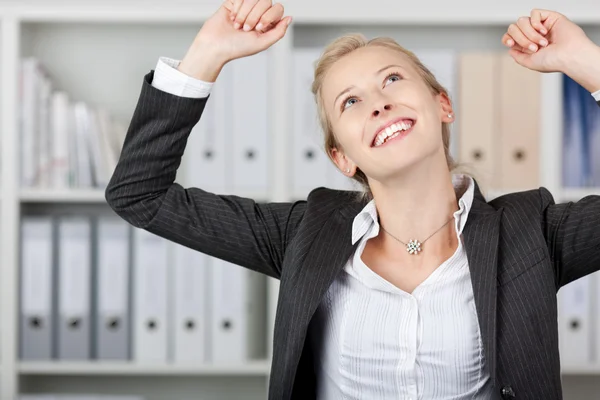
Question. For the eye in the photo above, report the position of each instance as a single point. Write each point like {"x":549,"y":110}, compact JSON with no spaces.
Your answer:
{"x":392,"y":75}
{"x":346,"y":102}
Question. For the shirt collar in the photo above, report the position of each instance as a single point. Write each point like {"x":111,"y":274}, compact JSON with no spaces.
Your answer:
{"x":464,"y":186}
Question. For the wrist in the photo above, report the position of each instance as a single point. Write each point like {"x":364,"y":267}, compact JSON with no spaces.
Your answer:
{"x":202,"y":62}
{"x":583,"y":66}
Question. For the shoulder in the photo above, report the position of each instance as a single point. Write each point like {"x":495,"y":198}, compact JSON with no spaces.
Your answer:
{"x":524,"y":202}
{"x":323,"y":200}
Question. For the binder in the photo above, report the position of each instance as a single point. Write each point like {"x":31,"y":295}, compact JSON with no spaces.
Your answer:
{"x":60,"y":139}
{"x":112,"y":316}
{"x":574,"y":322}
{"x":251,"y":127}
{"x":190,"y":331}
{"x":519,"y":122}
{"x":573,"y":147}
{"x":311,"y":167}
{"x":238,"y":313}
{"x":150,"y":264}
{"x":207,"y":158}
{"x":74,"y":296}
{"x":476,"y":116}
{"x":32,"y":75}
{"x":37,"y":259}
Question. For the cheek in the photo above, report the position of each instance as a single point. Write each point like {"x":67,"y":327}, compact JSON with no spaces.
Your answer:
{"x":349,"y":133}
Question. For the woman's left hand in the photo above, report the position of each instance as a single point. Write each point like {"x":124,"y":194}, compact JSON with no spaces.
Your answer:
{"x":546,"y":41}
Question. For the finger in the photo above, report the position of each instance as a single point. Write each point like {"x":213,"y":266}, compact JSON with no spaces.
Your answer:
{"x":516,"y":47}
{"x":520,"y":38}
{"x":547,"y":18}
{"x":536,"y":21}
{"x":524,"y":23}
{"x":237,"y":4}
{"x":271,"y":37}
{"x":247,"y":6}
{"x":255,"y":15}
{"x":228,"y":6}
{"x":507,"y":40}
{"x":270,"y":18}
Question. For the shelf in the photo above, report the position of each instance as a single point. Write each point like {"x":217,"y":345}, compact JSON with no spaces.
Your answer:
{"x":465,"y":12}
{"x":62,"y":196}
{"x":254,"y":368}
{"x":581,"y":370}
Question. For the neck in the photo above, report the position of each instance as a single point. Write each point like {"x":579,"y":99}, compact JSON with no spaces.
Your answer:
{"x":415,"y":205}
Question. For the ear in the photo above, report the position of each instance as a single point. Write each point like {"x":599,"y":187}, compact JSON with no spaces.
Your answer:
{"x":343,"y":163}
{"x":446,"y":111}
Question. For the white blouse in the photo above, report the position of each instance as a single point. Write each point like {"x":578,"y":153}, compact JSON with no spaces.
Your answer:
{"x":373,"y":340}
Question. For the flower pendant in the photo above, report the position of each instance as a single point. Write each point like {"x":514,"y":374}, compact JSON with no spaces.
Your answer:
{"x":413,"y":247}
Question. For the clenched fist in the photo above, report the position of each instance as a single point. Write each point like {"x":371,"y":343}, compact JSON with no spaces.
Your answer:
{"x":239,"y":28}
{"x":545,"y":41}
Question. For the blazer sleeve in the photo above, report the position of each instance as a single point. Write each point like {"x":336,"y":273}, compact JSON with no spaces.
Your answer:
{"x":143,"y":191}
{"x":572,"y":232}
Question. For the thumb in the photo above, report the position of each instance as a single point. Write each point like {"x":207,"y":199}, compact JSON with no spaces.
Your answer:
{"x":521,"y":58}
{"x":275,"y":34}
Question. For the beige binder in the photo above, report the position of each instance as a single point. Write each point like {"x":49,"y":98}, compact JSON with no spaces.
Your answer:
{"x":477,"y":97}
{"x":519,"y":125}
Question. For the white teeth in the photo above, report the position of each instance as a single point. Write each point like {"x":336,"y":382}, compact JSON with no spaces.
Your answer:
{"x":391,"y":132}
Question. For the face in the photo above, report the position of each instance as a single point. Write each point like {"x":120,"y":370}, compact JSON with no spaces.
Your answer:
{"x":382,"y":113}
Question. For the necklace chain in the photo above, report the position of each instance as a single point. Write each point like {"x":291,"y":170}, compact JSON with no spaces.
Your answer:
{"x":414,"y":246}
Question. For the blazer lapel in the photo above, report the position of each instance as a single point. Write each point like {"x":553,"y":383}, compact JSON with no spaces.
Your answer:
{"x":481,"y":233}
{"x":329,"y":249}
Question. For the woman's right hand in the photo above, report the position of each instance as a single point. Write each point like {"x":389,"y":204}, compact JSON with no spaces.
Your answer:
{"x":258,"y":25}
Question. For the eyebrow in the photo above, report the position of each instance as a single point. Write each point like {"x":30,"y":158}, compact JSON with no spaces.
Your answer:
{"x":352,"y":86}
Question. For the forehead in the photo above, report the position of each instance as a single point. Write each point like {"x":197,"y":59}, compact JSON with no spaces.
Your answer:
{"x":361,"y":65}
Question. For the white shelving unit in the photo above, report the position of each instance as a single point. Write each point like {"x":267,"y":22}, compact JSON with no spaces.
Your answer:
{"x":99,"y":52}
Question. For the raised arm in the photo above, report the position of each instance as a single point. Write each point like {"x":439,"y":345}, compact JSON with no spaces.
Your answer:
{"x":548,"y":41}
{"x":143,"y":191}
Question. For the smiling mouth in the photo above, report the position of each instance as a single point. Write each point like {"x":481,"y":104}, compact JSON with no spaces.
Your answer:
{"x":393,"y":131}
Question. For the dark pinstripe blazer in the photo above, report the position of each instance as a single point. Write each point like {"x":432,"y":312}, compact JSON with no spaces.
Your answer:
{"x":521,"y":248}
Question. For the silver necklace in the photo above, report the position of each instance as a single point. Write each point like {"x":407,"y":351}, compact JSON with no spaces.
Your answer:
{"x":414,"y":246}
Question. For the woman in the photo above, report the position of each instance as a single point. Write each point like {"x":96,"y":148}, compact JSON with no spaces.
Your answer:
{"x":380,"y":296}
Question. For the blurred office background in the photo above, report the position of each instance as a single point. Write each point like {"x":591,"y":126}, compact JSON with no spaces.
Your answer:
{"x":93,"y":308}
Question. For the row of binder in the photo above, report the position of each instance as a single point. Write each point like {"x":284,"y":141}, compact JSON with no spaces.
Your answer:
{"x":68,"y":143}
{"x":496,"y":132}
{"x":97,"y":288}
{"x":64,"y":142}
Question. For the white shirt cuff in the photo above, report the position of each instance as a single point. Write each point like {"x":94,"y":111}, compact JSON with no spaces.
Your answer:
{"x":169,"y":79}
{"x":596,"y":95}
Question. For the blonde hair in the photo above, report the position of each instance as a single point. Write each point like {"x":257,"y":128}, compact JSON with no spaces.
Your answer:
{"x":345,"y":45}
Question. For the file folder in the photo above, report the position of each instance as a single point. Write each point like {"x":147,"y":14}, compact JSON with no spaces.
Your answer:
{"x":476,"y":97}
{"x":310,"y":165}
{"x":207,"y":158}
{"x":251,"y":125}
{"x":150,"y":279}
{"x":238,"y":313}
{"x":574,"y":322}
{"x":37,"y":260}
{"x":190,"y":328}
{"x":519,"y":122}
{"x":74,"y":296}
{"x":112,"y":290}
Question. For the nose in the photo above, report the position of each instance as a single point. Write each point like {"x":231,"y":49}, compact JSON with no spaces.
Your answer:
{"x":381,"y":109}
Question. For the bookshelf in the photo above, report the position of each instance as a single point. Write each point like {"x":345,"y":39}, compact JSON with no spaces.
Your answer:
{"x":99,"y":52}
